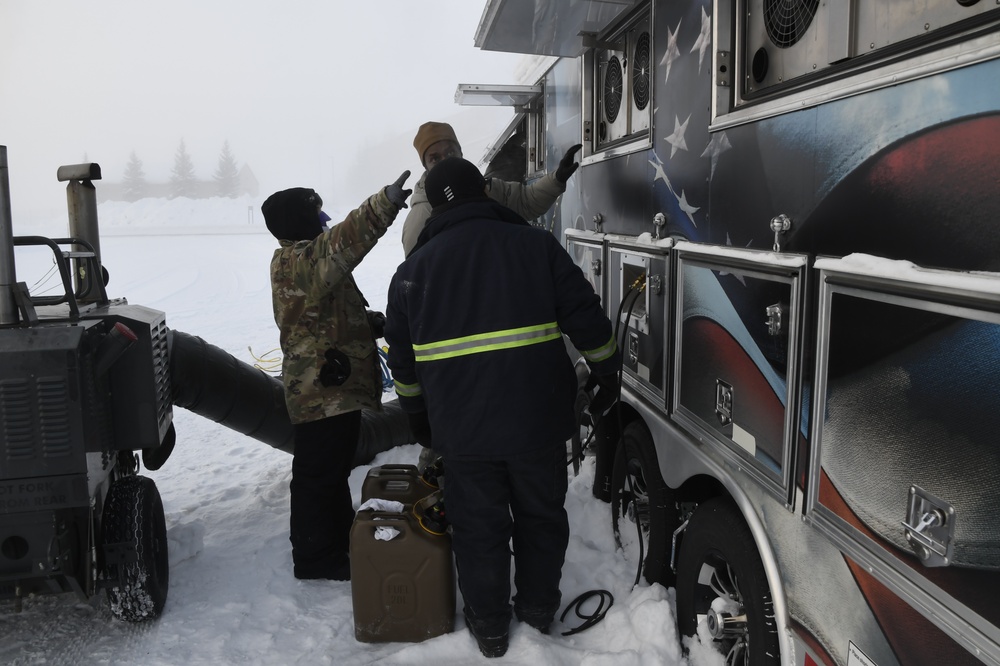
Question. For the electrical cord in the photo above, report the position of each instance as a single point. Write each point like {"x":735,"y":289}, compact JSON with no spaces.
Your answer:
{"x":589,"y":620}
{"x":42,"y":281}
{"x":628,"y":477}
{"x":635,"y":289}
{"x":268,"y":363}
{"x":265,"y":361}
{"x":383,"y":359}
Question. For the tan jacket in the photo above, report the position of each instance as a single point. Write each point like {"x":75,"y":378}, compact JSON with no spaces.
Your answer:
{"x":317,"y":306}
{"x":528,"y":201}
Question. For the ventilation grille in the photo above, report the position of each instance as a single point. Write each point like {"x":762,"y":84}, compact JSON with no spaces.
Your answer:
{"x":53,"y":419}
{"x":640,"y":72}
{"x":613,"y":81}
{"x":27,"y":433}
{"x":15,"y":410}
{"x":622,"y":84}
{"x":787,"y":20}
{"x":161,"y":370}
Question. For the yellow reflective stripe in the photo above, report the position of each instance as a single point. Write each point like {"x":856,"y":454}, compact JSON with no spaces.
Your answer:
{"x":407,"y":390}
{"x":601,"y":353}
{"x":485,"y":342}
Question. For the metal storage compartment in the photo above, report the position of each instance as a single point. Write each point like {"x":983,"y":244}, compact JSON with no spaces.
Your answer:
{"x":738,"y":339}
{"x":638,"y":292}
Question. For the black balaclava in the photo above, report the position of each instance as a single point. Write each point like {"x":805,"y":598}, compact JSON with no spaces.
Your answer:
{"x":293,"y":214}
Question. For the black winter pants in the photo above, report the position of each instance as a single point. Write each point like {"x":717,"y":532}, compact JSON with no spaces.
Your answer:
{"x":492,"y":504}
{"x":321,"y":509}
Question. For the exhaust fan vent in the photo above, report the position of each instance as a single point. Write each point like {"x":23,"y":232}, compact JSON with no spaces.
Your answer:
{"x":640,"y":72}
{"x":613,"y":89}
{"x":788,"y":20}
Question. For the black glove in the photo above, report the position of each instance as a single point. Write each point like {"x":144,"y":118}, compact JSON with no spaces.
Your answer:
{"x":567,"y":167}
{"x":377,"y":321}
{"x":420,"y":427}
{"x":608,"y":388}
{"x":397,"y":195}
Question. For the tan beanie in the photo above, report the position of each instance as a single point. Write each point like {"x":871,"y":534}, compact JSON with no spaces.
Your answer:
{"x":429,"y":134}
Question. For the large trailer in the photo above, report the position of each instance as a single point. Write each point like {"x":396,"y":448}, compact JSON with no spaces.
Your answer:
{"x":790,"y":210}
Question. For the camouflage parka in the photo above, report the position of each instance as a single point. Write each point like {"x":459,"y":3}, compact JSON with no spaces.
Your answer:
{"x":318,"y":307}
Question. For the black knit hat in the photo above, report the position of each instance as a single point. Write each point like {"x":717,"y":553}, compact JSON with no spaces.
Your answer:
{"x":293,"y":214}
{"x":454,"y":179}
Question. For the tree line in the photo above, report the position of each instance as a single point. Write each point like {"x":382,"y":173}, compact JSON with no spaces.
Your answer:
{"x":183,"y":183}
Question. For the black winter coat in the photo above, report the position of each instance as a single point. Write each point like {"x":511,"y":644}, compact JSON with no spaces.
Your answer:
{"x":474,"y":323}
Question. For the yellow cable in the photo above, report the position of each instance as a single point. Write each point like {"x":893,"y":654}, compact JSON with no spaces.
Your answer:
{"x":265,"y":363}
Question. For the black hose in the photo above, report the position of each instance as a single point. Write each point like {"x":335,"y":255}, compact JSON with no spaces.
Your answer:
{"x":590,"y":619}
{"x":210,"y":382}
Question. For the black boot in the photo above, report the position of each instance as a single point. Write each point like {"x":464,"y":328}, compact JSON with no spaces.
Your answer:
{"x":492,"y":640}
{"x":335,"y":567}
{"x":540,"y":620}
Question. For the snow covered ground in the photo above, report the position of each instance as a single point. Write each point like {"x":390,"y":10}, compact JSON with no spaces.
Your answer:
{"x":233,"y":599}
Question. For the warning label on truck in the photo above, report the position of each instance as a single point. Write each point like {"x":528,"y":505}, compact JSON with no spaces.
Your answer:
{"x":855,"y":657}
{"x":54,"y":492}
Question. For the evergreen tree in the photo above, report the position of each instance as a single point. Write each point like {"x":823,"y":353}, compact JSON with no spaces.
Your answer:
{"x":227,"y":177}
{"x":134,"y":185}
{"x":182,"y":181}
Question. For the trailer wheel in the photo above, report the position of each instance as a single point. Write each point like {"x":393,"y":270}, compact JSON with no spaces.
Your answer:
{"x":642,"y":506}
{"x":134,"y":540}
{"x":722,"y":587}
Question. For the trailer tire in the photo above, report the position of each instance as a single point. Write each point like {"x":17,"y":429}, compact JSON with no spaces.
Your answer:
{"x":719,"y":560}
{"x":134,"y":536}
{"x":642,"y":505}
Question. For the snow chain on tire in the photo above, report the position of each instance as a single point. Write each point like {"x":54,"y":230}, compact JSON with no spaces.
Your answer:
{"x":134,"y":536}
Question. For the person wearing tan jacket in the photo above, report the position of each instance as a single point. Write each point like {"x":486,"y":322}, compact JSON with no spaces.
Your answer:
{"x":435,"y":141}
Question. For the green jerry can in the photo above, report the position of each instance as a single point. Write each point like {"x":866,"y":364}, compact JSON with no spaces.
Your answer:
{"x":403,"y":588}
{"x":400,"y":483}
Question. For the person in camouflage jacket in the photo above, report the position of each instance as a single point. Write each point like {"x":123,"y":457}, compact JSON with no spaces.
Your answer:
{"x":330,"y":367}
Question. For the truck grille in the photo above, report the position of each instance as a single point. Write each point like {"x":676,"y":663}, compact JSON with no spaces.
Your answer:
{"x":30,"y":434}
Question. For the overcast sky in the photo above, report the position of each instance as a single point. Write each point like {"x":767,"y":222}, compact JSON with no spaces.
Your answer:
{"x":302,"y":90}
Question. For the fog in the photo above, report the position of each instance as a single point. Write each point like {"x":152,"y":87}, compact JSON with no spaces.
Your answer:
{"x":323,"y":94}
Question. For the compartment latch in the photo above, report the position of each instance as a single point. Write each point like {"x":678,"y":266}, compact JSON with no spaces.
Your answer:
{"x":775,"y":317}
{"x":723,"y":402}
{"x":655,"y":284}
{"x":930,"y":527}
